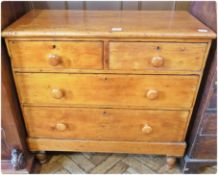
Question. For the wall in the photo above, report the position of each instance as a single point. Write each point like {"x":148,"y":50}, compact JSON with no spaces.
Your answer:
{"x":113,"y":5}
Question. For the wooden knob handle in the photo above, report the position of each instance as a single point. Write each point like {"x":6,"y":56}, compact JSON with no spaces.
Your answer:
{"x":157,"y":61}
{"x":152,"y":94}
{"x":54,"y":59}
{"x":61,"y":126}
{"x":147,"y":129}
{"x":57,"y":93}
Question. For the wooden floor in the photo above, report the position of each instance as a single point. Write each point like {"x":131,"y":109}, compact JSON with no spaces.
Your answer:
{"x":96,"y":163}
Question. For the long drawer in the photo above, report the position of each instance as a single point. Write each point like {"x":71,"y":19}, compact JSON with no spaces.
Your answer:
{"x":105,"y":124}
{"x":107,"y":90}
{"x":57,"y":54}
{"x":157,"y":56}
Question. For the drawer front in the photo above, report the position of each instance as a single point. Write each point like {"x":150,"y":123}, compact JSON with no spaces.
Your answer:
{"x":205,"y":147}
{"x":105,"y":124}
{"x":107,"y":90}
{"x":209,"y":124}
{"x":56,"y":54}
{"x":157,"y":55}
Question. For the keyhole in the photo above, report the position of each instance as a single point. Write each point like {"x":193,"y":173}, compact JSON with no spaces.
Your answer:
{"x":54,"y":46}
{"x":158,"y":48}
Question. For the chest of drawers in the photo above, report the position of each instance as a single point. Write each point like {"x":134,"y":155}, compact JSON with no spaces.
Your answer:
{"x":103,"y":81}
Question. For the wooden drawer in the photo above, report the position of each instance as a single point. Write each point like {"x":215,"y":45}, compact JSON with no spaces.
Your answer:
{"x":56,"y":54}
{"x":107,"y":90}
{"x":105,"y":124}
{"x":209,"y":124}
{"x":157,"y":55}
{"x":205,"y":148}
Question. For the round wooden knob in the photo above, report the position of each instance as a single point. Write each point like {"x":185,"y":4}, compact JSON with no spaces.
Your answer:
{"x":60,"y":126}
{"x":152,"y":94}
{"x":157,"y":61}
{"x":54,"y":59}
{"x":57,"y":93}
{"x":147,"y":129}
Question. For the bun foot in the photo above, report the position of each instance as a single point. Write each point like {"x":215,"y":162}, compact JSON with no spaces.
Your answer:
{"x":42,"y":157}
{"x":171,"y":161}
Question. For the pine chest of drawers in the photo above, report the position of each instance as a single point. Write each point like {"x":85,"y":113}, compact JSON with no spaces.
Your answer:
{"x":108,"y":81}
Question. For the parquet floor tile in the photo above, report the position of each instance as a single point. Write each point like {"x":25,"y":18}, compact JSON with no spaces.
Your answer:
{"x":102,"y":163}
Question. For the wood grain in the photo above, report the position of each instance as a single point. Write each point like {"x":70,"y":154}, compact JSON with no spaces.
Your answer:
{"x":13,"y":135}
{"x":107,"y":90}
{"x":68,"y":23}
{"x":162,"y":148}
{"x":72,"y":54}
{"x":107,"y":71}
{"x":199,"y":151}
{"x":63,"y":163}
{"x":202,"y":139}
{"x":96,"y":90}
{"x":139,"y":55}
{"x":105,"y":124}
{"x":209,"y":125}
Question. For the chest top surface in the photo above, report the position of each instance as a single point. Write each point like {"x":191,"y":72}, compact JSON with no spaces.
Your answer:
{"x":71,"y":23}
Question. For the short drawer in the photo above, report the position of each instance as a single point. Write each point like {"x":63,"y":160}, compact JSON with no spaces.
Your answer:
{"x":107,"y":90}
{"x":56,"y":54}
{"x":157,"y":55}
{"x":105,"y":124}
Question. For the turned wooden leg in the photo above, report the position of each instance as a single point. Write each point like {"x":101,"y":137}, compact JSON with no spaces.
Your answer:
{"x":42,"y":157}
{"x":171,"y":161}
